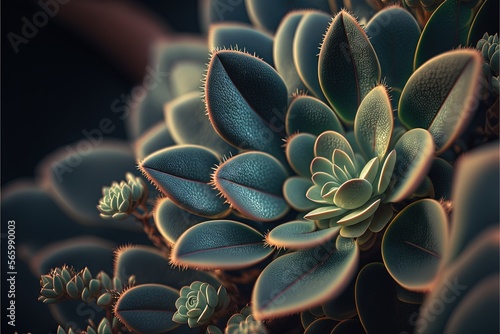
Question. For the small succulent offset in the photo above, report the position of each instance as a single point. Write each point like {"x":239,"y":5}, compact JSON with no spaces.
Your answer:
{"x":198,"y":303}
{"x":346,"y":228}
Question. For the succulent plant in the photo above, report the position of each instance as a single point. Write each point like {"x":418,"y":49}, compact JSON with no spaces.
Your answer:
{"x":244,"y":323}
{"x":488,"y":45}
{"x":198,"y":303}
{"x":121,"y":199}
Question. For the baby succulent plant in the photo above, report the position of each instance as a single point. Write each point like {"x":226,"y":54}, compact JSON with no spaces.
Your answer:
{"x":314,"y":177}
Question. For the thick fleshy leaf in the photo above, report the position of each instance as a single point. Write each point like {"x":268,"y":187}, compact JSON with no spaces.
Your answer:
{"x":475,"y":197}
{"x":325,"y":212}
{"x":441,"y":95}
{"x":374,"y":123}
{"x":479,"y":309}
{"x":171,"y":221}
{"x":360,"y":214}
{"x":188,"y":124}
{"x":414,"y":243}
{"x":252,"y":182}
{"x":297,"y":281}
{"x":348,"y":66}
{"x":485,"y":21}
{"x":353,"y":194}
{"x":299,"y":234}
{"x":308,"y":114}
{"x":446,"y":29}
{"x":156,"y":138}
{"x":246,"y":101}
{"x":212,"y":11}
{"x":379,"y":309}
{"x":149,"y":265}
{"x":220,"y":244}
{"x":148,"y":308}
{"x":394,"y":34}
{"x":309,"y":36}
{"x":479,"y":260}
{"x":268,"y":15}
{"x":319,"y":326}
{"x":328,"y":142}
{"x":183,"y":172}
{"x":441,"y":175}
{"x":294,"y":191}
{"x":300,"y":152}
{"x":253,"y":41}
{"x":414,"y":154}
{"x":351,"y":326}
{"x":283,"y":51}
{"x":76,"y":174}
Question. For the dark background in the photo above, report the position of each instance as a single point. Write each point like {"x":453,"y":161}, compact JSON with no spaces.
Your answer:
{"x":61,"y":82}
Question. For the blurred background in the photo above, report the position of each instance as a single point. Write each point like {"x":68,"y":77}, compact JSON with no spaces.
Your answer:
{"x":62,"y":77}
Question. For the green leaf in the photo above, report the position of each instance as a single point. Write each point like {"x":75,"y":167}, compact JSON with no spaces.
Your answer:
{"x":300,"y":152}
{"x":243,"y":92}
{"x":188,"y":124}
{"x":475,"y":197}
{"x":171,"y":221}
{"x":353,"y":194}
{"x":441,"y":175}
{"x":149,"y":265}
{"x":294,"y":191}
{"x":156,"y":138}
{"x":268,"y":15}
{"x":328,"y":142}
{"x":414,"y":154}
{"x":394,"y":34}
{"x":308,"y":114}
{"x":379,"y":309}
{"x":253,"y":41}
{"x":147,"y":308}
{"x":306,"y":278}
{"x":220,"y":244}
{"x":442,"y":95}
{"x":309,"y":36}
{"x":252,"y":182}
{"x":283,"y":51}
{"x":299,"y":234}
{"x":374,"y":123}
{"x":183,"y":172}
{"x":348,"y":66}
{"x":343,"y":306}
{"x":414,"y":244}
{"x":446,"y":29}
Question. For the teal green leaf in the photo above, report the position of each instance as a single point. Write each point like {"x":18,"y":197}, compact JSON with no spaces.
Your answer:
{"x":243,"y":37}
{"x":220,"y":244}
{"x":299,"y":234}
{"x":414,"y":244}
{"x":246,"y":101}
{"x":374,"y":123}
{"x":441,"y":95}
{"x":188,"y":124}
{"x":475,"y":197}
{"x":294,"y":192}
{"x":446,"y":29}
{"x":149,"y":265}
{"x":268,"y":15}
{"x":478,"y":261}
{"x":319,"y":326}
{"x":441,"y":175}
{"x":303,"y":279}
{"x":183,"y":172}
{"x":343,"y":306}
{"x":212,"y":11}
{"x":353,"y":194}
{"x":328,"y":142}
{"x":414,"y":154}
{"x":147,"y":308}
{"x":325,"y":212}
{"x":485,"y":21}
{"x":379,"y":309}
{"x":308,"y":114}
{"x":479,"y":309}
{"x":394,"y":34}
{"x":351,"y":326}
{"x":309,"y":36}
{"x":300,"y":152}
{"x":252,"y":182}
{"x":171,"y":221}
{"x":156,"y":138}
{"x":283,"y":51}
{"x":348,"y":66}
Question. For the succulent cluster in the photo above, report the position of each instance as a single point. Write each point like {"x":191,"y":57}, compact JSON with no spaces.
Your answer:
{"x":198,"y":303}
{"x":104,"y":327}
{"x":121,"y":199}
{"x":488,"y":45}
